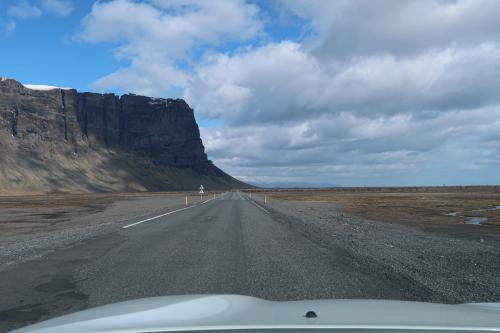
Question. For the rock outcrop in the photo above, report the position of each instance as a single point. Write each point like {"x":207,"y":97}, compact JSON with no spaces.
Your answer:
{"x":154,"y":143}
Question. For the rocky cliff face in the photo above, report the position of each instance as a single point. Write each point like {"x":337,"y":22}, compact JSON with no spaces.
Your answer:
{"x":159,"y":135}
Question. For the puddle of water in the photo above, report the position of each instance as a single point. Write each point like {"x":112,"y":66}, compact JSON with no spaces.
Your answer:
{"x":487,"y":209}
{"x":476,"y":220}
{"x":452,"y":214}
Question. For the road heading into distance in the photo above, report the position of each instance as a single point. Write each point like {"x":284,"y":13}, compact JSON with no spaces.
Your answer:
{"x":227,"y":245}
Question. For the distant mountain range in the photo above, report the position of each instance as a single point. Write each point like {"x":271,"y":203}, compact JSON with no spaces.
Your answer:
{"x":292,"y":184}
{"x":57,"y":139}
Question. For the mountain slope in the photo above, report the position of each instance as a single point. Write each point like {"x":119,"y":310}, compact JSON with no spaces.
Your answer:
{"x":57,"y":139}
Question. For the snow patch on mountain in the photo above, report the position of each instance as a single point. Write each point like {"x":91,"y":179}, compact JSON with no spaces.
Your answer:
{"x":43,"y":87}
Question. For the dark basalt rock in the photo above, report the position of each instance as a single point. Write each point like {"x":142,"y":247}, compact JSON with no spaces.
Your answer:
{"x":162,"y":130}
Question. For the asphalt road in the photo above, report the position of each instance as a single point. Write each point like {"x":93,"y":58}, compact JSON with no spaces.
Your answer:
{"x":228,"y":245}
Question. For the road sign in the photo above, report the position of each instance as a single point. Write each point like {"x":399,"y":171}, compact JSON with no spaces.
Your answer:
{"x":201,"y":192}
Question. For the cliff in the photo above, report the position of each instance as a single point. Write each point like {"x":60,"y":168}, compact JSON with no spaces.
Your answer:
{"x":62,"y":140}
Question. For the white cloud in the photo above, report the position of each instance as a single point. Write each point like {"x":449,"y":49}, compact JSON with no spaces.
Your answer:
{"x":282,"y":81}
{"x":266,"y":83}
{"x":57,"y":7}
{"x":142,"y":77}
{"x":356,"y":150}
{"x":25,"y":9}
{"x":377,"y":92}
{"x":159,"y":33}
{"x":347,"y":28}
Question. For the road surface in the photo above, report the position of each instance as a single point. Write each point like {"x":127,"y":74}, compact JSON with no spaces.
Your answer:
{"x":229,"y":245}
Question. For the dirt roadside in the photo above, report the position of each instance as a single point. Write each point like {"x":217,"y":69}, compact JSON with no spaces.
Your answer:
{"x":456,"y":269}
{"x":32,"y":226}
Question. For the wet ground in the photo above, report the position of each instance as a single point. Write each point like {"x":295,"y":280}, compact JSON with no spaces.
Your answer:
{"x":466,"y":212}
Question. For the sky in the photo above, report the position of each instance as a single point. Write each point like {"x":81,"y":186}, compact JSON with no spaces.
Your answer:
{"x":320,"y":92}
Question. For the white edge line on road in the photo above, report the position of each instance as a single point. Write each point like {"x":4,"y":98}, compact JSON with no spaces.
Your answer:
{"x":259,"y":206}
{"x":157,"y":217}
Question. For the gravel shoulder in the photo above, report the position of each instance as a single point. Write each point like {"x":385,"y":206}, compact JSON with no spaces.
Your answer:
{"x":32,"y":227}
{"x":456,"y":270}
{"x":288,"y":250}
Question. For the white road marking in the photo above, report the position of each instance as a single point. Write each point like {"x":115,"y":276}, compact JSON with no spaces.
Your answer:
{"x":259,"y":206}
{"x":157,"y":217}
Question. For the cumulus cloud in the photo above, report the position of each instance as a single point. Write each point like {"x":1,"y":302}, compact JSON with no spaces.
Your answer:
{"x":282,"y":81}
{"x":367,"y":92}
{"x":356,"y":150}
{"x":347,"y":28}
{"x":143,"y":77}
{"x":156,"y":34}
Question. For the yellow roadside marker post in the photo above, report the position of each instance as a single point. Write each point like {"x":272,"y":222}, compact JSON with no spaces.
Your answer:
{"x":186,"y":200}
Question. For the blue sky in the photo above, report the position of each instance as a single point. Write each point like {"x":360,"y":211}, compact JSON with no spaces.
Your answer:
{"x":44,"y":49}
{"x":47,"y":48}
{"x":382,"y":92}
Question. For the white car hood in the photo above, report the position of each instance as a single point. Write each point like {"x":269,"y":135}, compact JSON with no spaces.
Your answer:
{"x":229,"y":312}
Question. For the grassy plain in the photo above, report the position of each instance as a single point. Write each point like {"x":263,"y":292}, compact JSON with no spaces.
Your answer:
{"x":414,"y":205}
